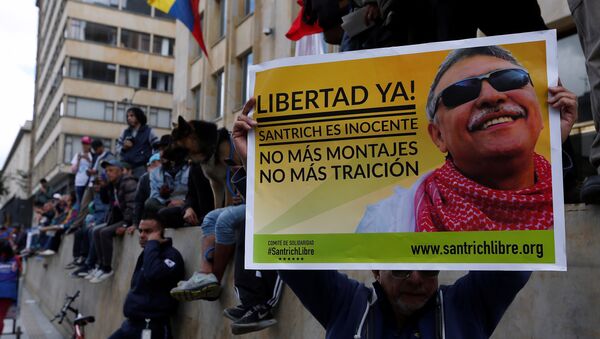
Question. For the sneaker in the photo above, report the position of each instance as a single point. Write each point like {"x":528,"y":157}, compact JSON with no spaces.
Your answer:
{"x":92,"y":273}
{"x":256,"y":319}
{"x":199,"y":286}
{"x":235,"y":313}
{"x":81,"y":272}
{"x":47,"y":253}
{"x":71,"y":265}
{"x":103,"y":276}
{"x":590,"y":191}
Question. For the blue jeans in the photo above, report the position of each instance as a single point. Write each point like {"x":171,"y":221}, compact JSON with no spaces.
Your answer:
{"x":223,"y":222}
{"x":79,"y":190}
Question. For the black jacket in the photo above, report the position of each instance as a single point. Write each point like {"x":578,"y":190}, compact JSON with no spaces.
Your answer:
{"x":121,"y":206}
{"x":158,"y":269}
{"x":200,"y":196}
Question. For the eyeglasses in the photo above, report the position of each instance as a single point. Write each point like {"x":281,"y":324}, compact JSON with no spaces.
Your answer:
{"x":468,"y":89}
{"x":406,"y":274}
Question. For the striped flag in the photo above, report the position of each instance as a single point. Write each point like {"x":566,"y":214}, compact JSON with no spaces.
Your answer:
{"x":185,"y":11}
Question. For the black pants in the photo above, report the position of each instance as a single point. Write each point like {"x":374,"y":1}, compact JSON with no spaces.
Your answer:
{"x":133,"y":330}
{"x":172,"y":216}
{"x":81,"y":242}
{"x":53,"y":242}
{"x":254,"y":287}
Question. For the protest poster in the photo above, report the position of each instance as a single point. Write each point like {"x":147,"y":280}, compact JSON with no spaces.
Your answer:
{"x":354,"y":164}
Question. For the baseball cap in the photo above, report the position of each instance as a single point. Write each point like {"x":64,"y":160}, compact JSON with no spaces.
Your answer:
{"x":153,"y":158}
{"x":112,"y":162}
{"x":56,"y":196}
{"x":86,"y":140}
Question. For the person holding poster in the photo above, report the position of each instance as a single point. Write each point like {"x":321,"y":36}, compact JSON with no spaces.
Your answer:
{"x":484,"y":114}
{"x":400,"y":303}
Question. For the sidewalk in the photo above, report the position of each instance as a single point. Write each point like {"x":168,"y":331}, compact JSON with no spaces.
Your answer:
{"x":33,"y":322}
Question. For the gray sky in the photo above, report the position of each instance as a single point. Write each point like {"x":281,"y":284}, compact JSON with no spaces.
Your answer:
{"x":18,"y":31}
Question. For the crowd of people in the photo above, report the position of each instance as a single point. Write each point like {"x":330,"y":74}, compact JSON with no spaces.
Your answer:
{"x":149,"y":185}
{"x":182,"y":180}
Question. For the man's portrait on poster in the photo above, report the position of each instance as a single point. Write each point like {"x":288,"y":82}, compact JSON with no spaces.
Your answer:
{"x":484,"y":114}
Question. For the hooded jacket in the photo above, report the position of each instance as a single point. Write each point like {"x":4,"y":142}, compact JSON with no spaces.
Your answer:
{"x":470,"y":308}
{"x":141,"y":151}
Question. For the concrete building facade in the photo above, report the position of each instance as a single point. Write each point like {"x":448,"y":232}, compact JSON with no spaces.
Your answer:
{"x":14,"y":203}
{"x":16,"y":166}
{"x":96,"y":58}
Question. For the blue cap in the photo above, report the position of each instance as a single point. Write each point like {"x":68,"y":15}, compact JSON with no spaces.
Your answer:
{"x":153,"y":158}
{"x":112,"y":162}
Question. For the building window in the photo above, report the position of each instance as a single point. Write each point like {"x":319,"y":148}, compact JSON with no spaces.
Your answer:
{"x":120,"y":113}
{"x":162,"y":81}
{"x":75,"y":29}
{"x":90,"y":31}
{"x":133,"y":77}
{"x":222,"y":17}
{"x":135,"y":40}
{"x":247,"y":61}
{"x":109,"y":3}
{"x":160,"y":14}
{"x":248,"y":7}
{"x":163,"y":46}
{"x":136,"y":6}
{"x":92,"y":70}
{"x":220,"y":87}
{"x":159,"y":117}
{"x":197,"y":96}
{"x":90,"y":108}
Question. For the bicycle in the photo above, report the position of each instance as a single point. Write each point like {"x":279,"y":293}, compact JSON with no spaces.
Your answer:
{"x":80,"y":320}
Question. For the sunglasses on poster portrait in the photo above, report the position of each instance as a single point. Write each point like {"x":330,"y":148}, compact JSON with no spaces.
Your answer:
{"x":468,"y":89}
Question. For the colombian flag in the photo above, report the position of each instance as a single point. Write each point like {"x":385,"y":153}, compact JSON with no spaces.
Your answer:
{"x":185,"y":11}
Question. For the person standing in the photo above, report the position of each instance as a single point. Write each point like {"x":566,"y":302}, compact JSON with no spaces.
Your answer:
{"x":79,"y":166}
{"x":159,"y":267}
{"x":101,"y":153}
{"x":9,"y":277}
{"x":134,"y":146}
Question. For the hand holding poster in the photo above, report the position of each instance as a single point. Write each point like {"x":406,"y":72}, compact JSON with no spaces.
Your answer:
{"x":443,"y":155}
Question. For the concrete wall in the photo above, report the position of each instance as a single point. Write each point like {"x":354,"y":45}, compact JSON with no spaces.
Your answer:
{"x":552,"y":305}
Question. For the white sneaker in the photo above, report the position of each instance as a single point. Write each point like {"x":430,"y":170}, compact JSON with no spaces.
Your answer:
{"x":198,"y":286}
{"x":96,"y":274}
{"x":91,"y":273}
{"x":47,"y":253}
{"x":103,"y":276}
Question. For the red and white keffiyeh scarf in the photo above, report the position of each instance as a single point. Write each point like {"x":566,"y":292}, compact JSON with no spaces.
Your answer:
{"x":448,"y":201}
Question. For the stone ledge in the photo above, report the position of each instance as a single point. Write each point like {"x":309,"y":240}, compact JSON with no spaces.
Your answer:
{"x":552,"y":305}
